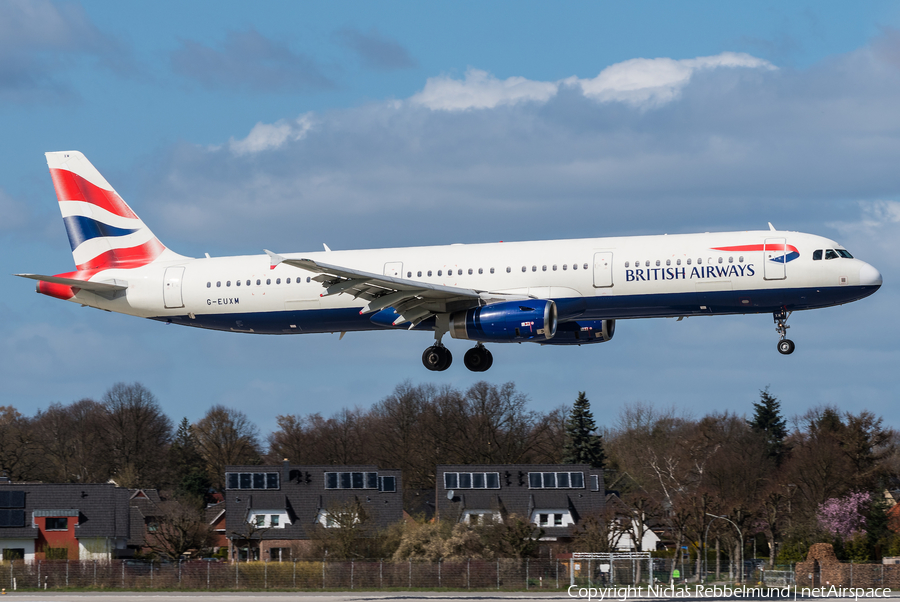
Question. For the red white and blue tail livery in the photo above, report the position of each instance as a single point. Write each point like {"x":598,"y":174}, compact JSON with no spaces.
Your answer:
{"x":555,"y":292}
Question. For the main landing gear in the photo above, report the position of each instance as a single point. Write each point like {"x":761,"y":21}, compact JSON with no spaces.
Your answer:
{"x":785,"y":345}
{"x":478,"y":358}
{"x":437,"y":358}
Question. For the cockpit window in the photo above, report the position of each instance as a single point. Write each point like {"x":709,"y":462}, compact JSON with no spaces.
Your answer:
{"x":831,"y":254}
{"x":844,"y":253}
{"x":817,"y":255}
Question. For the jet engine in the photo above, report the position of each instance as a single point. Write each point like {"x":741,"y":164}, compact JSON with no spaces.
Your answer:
{"x":583,"y":332}
{"x":507,"y":322}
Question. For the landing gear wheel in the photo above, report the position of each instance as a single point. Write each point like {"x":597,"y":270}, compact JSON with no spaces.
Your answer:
{"x":478,"y":359}
{"x":785,"y":346}
{"x":437,"y":359}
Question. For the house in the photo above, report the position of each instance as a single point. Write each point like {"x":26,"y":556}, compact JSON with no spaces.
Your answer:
{"x":215,"y":518}
{"x":63,"y":521}
{"x":555,"y":497}
{"x":273,"y":511}
{"x":142,"y":517}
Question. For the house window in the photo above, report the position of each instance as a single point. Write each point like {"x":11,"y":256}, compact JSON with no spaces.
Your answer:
{"x":552,"y":518}
{"x":152,"y":527}
{"x":273,"y":520}
{"x":557,"y":520}
{"x":595,"y":482}
{"x":251,"y":480}
{"x":260,"y":520}
{"x":351,"y":480}
{"x":387,"y":484}
{"x":556,"y":480}
{"x":471,"y":480}
{"x":60,"y":523}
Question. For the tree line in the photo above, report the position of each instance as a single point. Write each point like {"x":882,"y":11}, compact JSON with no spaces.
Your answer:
{"x":782,"y":485}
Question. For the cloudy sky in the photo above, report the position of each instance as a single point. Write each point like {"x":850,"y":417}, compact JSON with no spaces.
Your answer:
{"x":230,"y":127}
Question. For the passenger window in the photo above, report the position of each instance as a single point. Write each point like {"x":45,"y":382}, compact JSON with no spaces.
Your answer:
{"x":209,"y":285}
{"x":543,"y":268}
{"x":830,"y":254}
{"x":731,"y":260}
{"x":657,"y":264}
{"x":720,"y":260}
{"x":574,"y":266}
{"x":626,"y":264}
{"x":699,"y":261}
{"x":647,"y":264}
{"x":307,"y":278}
{"x":219,"y":284}
{"x":554,"y":267}
{"x":228,"y":283}
{"x":741,"y":259}
{"x":668,"y":262}
{"x":418,"y":274}
{"x":440,"y":272}
{"x":492,"y":270}
{"x":508,"y":270}
{"x":524,"y":269}
{"x":278,"y":281}
{"x":409,"y":274}
{"x":470,"y":271}
{"x":817,"y":255}
{"x":689,"y":261}
{"x":268,"y":281}
{"x":677,"y":262}
{"x":237,"y":283}
{"x":459,"y":272}
{"x":480,"y":270}
{"x":585,"y":266}
{"x":258,"y":282}
{"x":429,"y":273}
{"x":565,"y":267}
{"x":534,"y":268}
{"x":248,"y":282}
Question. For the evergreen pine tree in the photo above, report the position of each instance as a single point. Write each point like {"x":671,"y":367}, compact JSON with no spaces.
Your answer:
{"x":583,"y":444}
{"x":188,"y":468}
{"x":768,"y":422}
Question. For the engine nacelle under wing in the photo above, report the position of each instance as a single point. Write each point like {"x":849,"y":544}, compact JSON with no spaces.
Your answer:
{"x":507,"y":322}
{"x":583,"y":332}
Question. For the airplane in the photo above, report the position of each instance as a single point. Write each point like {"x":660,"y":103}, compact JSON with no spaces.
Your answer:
{"x":552,"y":292}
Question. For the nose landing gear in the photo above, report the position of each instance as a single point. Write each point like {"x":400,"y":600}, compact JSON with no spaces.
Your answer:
{"x":785,"y":345}
{"x":478,"y":358}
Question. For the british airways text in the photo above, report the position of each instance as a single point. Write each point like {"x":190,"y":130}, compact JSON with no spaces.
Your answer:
{"x":709,"y":271}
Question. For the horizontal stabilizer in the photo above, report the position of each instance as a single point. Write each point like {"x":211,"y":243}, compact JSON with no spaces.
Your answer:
{"x":85,"y":285}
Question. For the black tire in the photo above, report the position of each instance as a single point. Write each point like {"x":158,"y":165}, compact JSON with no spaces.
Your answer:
{"x":474,"y":359}
{"x":488,"y":361}
{"x":446,"y":359}
{"x":432,"y":358}
{"x":785,"y":346}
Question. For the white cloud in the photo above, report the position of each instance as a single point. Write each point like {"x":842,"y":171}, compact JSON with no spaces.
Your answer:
{"x":267,"y":136}
{"x":480,"y":90}
{"x":652,"y":82}
{"x":640,"y":82}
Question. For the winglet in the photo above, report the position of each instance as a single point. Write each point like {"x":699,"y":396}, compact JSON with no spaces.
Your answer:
{"x":772,"y":228}
{"x":326,"y":247}
{"x":275,"y":259}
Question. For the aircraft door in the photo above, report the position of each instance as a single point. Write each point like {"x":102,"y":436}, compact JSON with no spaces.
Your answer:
{"x":603,"y":270}
{"x":394,"y":269}
{"x":172,"y":287}
{"x":774,"y":258}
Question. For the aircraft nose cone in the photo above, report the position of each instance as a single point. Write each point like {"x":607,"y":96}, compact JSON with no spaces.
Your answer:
{"x":869,"y":276}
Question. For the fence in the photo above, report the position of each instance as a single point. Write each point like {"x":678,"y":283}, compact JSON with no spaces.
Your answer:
{"x":476,"y":574}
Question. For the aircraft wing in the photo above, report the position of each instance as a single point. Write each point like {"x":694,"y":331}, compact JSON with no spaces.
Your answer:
{"x":97,"y":287}
{"x":412,"y":299}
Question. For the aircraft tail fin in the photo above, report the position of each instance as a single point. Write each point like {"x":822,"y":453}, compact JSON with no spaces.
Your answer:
{"x":103,"y":230}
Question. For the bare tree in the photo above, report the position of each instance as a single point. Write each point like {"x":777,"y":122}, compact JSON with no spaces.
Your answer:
{"x":226,"y":437}
{"x":72,"y":443}
{"x":18,"y":450}
{"x":179,"y":528}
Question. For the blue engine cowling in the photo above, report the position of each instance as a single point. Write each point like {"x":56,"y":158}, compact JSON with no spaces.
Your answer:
{"x":583,"y":332}
{"x":508,"y":322}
